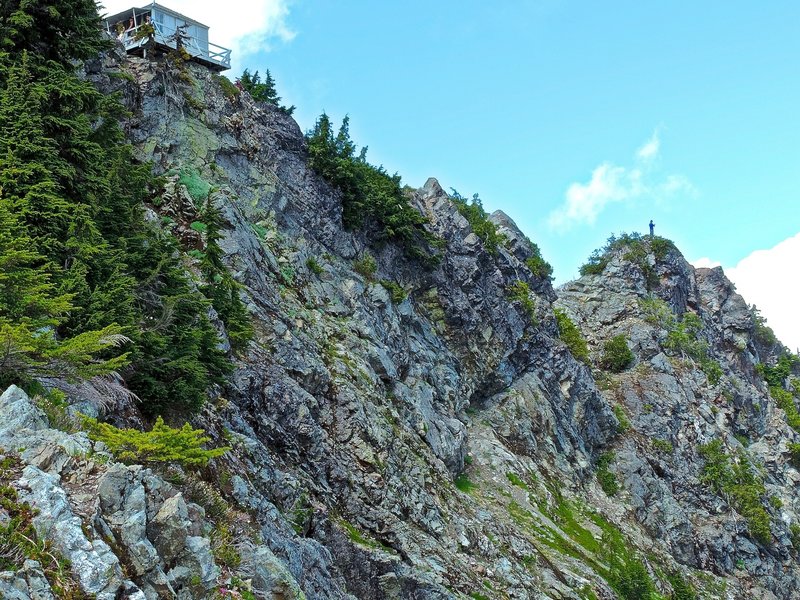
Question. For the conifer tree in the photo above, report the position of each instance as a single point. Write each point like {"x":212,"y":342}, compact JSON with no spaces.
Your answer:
{"x":73,"y":195}
{"x":265,"y":91}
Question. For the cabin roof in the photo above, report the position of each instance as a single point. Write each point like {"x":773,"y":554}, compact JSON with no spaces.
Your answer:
{"x":126,"y":14}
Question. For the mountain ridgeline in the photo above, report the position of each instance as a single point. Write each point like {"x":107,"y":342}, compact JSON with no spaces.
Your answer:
{"x":386,"y":397}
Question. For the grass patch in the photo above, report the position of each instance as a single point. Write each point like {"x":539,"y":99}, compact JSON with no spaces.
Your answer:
{"x":463,"y":483}
{"x":520,"y":292}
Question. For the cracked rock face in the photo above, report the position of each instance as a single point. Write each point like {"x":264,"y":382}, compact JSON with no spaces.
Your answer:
{"x":445,"y":445}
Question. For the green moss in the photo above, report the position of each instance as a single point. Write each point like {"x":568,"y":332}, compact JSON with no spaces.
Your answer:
{"x":314,"y":266}
{"x":663,"y":446}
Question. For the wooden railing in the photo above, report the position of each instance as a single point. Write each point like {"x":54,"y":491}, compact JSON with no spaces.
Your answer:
{"x":167,"y":36}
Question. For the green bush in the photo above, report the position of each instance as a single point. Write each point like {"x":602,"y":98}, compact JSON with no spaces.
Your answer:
{"x":472,"y":211}
{"x":622,"y":418}
{"x":616,"y":354}
{"x":681,"y":590}
{"x":607,"y":479}
{"x":537,"y":265}
{"x":663,"y":446}
{"x":571,"y":336}
{"x":314,"y":266}
{"x":520,"y":292}
{"x":163,"y":444}
{"x":366,"y":265}
{"x":737,"y":481}
{"x":396,"y":291}
{"x":794,"y":453}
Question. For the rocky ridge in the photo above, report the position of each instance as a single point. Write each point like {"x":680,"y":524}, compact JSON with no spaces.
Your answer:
{"x":444,"y":445}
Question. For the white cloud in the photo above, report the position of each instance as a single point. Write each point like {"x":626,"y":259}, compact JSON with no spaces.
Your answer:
{"x":244,"y":26}
{"x":705,"y":263}
{"x":650,"y":148}
{"x":767,"y":278}
{"x":611,"y":183}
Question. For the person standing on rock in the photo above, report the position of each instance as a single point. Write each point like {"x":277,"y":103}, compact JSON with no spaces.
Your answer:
{"x":652,"y":227}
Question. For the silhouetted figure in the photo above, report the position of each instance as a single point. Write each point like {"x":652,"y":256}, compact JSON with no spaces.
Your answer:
{"x":652,"y":227}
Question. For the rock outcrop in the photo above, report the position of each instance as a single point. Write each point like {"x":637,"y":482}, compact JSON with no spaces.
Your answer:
{"x":443,"y":445}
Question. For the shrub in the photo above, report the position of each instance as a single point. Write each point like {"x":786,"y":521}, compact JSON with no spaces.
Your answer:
{"x":738,"y":482}
{"x":537,"y":265}
{"x":197,"y":187}
{"x":664,"y":446}
{"x":794,"y":455}
{"x":163,"y":444}
{"x":571,"y":336}
{"x":616,"y":354}
{"x":607,"y":479}
{"x":622,"y":418}
{"x":366,"y":266}
{"x":681,"y":590}
{"x":636,"y":248}
{"x":520,"y":292}
{"x":472,"y":211}
{"x":314,"y":266}
{"x":396,"y":291}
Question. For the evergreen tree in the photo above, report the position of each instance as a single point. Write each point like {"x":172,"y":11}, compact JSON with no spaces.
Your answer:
{"x":265,"y":91}
{"x":72,"y":196}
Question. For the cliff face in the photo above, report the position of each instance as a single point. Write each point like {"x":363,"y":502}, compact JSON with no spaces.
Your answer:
{"x":435,"y":442}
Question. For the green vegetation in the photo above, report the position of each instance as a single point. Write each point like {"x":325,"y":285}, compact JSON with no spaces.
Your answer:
{"x":537,"y":265}
{"x":396,"y":291}
{"x":762,"y":332}
{"x":472,"y":211}
{"x":571,"y":336}
{"x":520,"y":292}
{"x":663,"y":446}
{"x":370,"y":196}
{"x":262,"y":91}
{"x":163,"y":444}
{"x":622,"y":418}
{"x":637,"y":249}
{"x":681,"y":589}
{"x":83,"y":271}
{"x":220,"y":286}
{"x":616,"y":354}
{"x":463,"y":483}
{"x":314,"y":266}
{"x":607,"y":479}
{"x":366,"y":266}
{"x":683,"y":336}
{"x":517,"y":481}
{"x":20,"y":542}
{"x":737,"y":481}
{"x":230,"y":91}
{"x":776,"y":377}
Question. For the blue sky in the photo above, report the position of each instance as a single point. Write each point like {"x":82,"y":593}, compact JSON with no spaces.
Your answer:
{"x":578,"y":119}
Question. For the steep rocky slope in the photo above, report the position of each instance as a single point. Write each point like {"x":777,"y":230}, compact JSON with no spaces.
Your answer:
{"x":441,"y":442}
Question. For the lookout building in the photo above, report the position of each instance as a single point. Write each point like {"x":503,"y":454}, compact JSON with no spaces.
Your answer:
{"x":168,"y":29}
